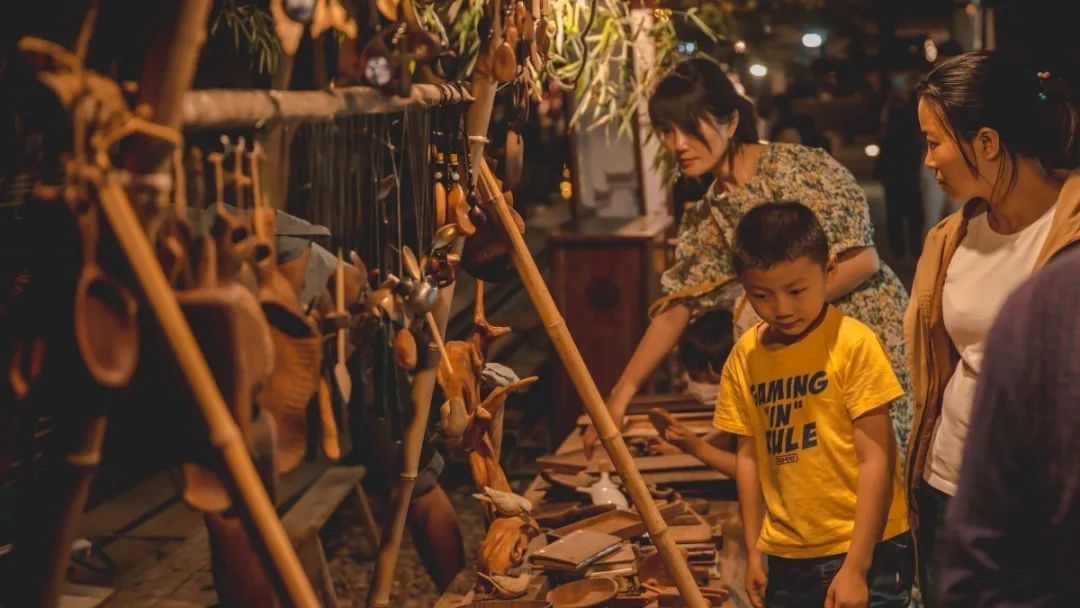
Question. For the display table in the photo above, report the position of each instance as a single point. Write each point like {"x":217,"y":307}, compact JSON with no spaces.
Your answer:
{"x":717,"y":497}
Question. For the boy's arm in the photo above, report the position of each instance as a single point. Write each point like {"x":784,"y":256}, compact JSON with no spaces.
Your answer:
{"x":875,"y":451}
{"x":687,"y":440}
{"x":752,"y":509}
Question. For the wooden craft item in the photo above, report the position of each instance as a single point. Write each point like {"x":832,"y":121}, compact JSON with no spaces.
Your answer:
{"x":341,"y":373}
{"x":509,"y":604}
{"x":106,"y":327}
{"x":583,"y":593}
{"x":289,"y":30}
{"x":565,"y":480}
{"x":575,"y":551}
{"x":233,"y":241}
{"x":670,"y":598}
{"x":575,"y":462}
{"x":297,"y":344}
{"x":506,"y":587}
{"x":234,"y":333}
{"x":505,"y":544}
{"x":631,"y":601}
{"x":622,"y":523}
{"x":453,"y":420}
{"x":327,"y":422}
{"x":554,"y":515}
{"x":515,"y":158}
{"x":653,"y":571}
{"x":330,"y":14}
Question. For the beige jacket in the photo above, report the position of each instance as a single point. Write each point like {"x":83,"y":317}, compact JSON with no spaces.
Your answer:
{"x":931,"y":354}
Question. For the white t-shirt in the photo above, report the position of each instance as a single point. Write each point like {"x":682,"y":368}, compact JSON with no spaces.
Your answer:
{"x":986,"y":268}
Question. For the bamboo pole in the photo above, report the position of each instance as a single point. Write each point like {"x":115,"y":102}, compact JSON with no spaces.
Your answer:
{"x":224,"y":434}
{"x":482,"y":95}
{"x":228,"y":109}
{"x":423,"y":387}
{"x":610,"y":436}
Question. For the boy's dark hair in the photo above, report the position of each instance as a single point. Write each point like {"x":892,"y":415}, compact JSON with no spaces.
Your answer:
{"x":706,"y":343}
{"x":778,"y":232}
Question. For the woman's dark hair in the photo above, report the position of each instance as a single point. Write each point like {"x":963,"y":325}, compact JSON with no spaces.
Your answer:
{"x":707,"y":342}
{"x":1031,"y":111}
{"x":697,"y":89}
{"x":772,"y":233}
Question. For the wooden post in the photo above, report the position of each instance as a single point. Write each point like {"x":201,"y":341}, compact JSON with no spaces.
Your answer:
{"x":477,"y":119}
{"x":55,"y":508}
{"x":423,"y":387}
{"x":610,"y":436}
{"x":224,"y":434}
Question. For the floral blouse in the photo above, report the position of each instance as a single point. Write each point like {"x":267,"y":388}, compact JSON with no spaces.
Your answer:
{"x":789,"y":172}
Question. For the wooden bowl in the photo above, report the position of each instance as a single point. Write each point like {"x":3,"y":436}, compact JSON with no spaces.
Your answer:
{"x":583,"y":593}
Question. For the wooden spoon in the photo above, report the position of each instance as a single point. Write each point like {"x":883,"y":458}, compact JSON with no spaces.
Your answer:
{"x":341,"y":373}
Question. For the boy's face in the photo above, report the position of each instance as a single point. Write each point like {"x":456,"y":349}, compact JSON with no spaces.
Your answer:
{"x":790,"y":295}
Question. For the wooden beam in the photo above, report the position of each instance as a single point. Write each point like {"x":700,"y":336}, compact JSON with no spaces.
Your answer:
{"x":225,"y":108}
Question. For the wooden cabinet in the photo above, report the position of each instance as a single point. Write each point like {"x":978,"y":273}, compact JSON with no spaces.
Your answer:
{"x":604,"y":275}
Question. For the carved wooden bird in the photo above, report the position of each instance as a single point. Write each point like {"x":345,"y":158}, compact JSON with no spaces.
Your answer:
{"x":507,"y":587}
{"x":506,"y":504}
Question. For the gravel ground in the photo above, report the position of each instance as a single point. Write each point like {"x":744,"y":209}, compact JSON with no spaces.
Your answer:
{"x":352,"y":558}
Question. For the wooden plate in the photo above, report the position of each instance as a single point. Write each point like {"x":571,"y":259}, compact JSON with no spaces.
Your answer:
{"x":583,"y":593}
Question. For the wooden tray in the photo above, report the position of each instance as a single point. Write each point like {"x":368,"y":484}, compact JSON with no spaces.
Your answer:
{"x":623,"y":523}
{"x":573,"y":463}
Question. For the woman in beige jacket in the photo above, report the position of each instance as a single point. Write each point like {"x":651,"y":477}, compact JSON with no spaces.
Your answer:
{"x":995,"y":134}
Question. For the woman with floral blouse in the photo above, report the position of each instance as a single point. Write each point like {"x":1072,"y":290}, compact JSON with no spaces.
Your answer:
{"x":710,"y":128}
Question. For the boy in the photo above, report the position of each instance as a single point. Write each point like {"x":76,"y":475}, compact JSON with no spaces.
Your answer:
{"x":807,"y":391}
{"x":703,"y":348}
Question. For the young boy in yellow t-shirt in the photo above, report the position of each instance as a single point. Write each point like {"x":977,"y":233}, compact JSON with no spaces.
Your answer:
{"x":807,"y":391}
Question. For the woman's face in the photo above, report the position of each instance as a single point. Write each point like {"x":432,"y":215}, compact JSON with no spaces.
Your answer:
{"x":944,"y":156}
{"x":699,"y":156}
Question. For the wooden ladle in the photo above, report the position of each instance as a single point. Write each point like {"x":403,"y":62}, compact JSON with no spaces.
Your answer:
{"x":106,"y":326}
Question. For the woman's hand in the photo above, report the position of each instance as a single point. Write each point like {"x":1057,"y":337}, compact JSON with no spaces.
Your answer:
{"x":660,"y":337}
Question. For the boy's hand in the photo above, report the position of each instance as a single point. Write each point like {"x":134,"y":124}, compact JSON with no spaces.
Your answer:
{"x":756,"y":580}
{"x":684,"y":438}
{"x":848,"y":590}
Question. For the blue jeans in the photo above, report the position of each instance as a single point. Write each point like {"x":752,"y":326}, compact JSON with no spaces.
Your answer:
{"x":803,"y":583}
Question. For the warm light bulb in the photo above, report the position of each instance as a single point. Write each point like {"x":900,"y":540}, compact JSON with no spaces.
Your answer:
{"x":758,"y":70}
{"x":872,"y":150}
{"x":812,"y":40}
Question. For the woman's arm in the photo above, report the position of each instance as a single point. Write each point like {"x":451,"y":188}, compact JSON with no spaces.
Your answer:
{"x":853,"y":268}
{"x":661,"y":336}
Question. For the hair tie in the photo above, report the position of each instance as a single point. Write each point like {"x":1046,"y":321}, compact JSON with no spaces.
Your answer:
{"x":1044,"y":79}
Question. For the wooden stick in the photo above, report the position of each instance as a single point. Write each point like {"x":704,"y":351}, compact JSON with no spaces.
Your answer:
{"x":55,"y":508}
{"x":224,"y":434}
{"x":590,"y":396}
{"x":232,"y":109}
{"x":423,"y":387}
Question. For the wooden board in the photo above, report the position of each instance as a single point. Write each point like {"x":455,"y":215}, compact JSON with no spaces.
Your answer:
{"x":575,"y":462}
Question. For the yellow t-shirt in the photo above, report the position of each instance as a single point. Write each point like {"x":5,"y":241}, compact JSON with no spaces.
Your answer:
{"x":798,"y":403}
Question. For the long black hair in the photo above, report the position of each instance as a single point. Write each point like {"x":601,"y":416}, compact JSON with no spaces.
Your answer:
{"x":697,"y":89}
{"x":1031,"y":111}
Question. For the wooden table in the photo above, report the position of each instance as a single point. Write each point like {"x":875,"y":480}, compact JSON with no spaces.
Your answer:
{"x":724,"y":510}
